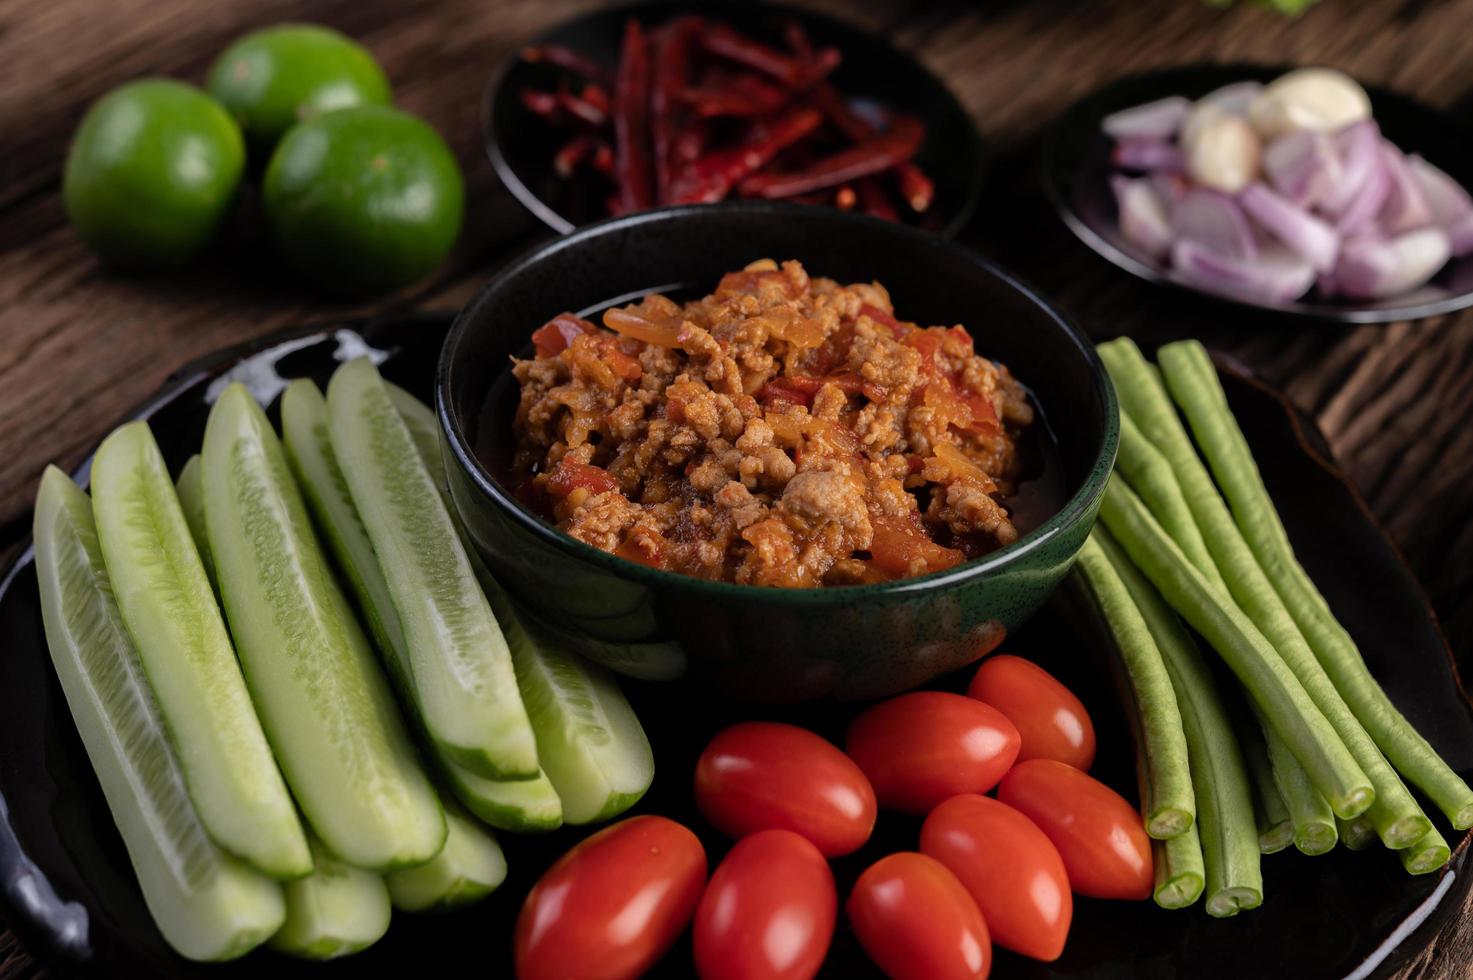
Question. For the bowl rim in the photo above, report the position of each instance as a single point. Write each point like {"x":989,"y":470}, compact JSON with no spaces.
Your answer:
{"x":1058,"y":188}
{"x":492,"y":124}
{"x":1080,"y":503}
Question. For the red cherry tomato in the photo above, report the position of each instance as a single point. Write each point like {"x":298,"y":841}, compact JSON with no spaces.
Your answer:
{"x":1010,"y":868}
{"x":613,"y":904}
{"x":1098,"y":833}
{"x":917,"y":922}
{"x":768,"y":913}
{"x":1050,"y":719}
{"x":761,"y":775}
{"x":921,"y":748}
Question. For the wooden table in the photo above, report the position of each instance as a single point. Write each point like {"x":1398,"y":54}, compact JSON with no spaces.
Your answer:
{"x":79,"y":345}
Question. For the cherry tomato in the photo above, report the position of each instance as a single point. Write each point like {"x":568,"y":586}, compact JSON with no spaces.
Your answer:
{"x":1098,"y":833}
{"x":917,"y":922}
{"x":768,"y":913}
{"x":1050,"y":719}
{"x":1010,"y":868}
{"x":921,"y":748}
{"x":761,"y":775}
{"x":613,"y":904}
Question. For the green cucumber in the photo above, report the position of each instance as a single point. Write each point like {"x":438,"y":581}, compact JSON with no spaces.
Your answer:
{"x":191,"y":489}
{"x":469,"y":868}
{"x":589,"y":741}
{"x":588,"y":738}
{"x":526,"y":804}
{"x":459,"y":662}
{"x":336,"y":910}
{"x":650,"y":661}
{"x":208,"y":904}
{"x":322,"y":697}
{"x":171,"y":613}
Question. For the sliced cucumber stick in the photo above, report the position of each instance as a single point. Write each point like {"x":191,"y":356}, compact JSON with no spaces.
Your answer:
{"x":170,"y":612}
{"x":523,"y":805}
{"x":336,"y":910}
{"x":469,"y":868}
{"x":321,"y":695}
{"x":191,"y":489}
{"x":527,"y":806}
{"x":459,"y":662}
{"x":590,"y":742}
{"x":208,"y":904}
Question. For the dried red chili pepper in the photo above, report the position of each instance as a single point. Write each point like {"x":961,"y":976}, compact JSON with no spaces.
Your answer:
{"x":671,"y":74}
{"x":712,"y":177}
{"x":581,"y":107}
{"x":918,"y":189}
{"x":744,"y":95}
{"x":572,"y":153}
{"x":631,"y":122}
{"x":544,"y":104}
{"x":567,"y":59}
{"x":722,"y":40}
{"x":895,"y":145}
{"x":603,"y":159}
{"x":874,"y":201}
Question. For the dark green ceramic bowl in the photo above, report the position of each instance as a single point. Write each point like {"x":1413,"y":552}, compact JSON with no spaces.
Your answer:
{"x":771,"y":644}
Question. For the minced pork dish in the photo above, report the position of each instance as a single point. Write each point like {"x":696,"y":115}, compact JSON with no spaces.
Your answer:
{"x":782,"y":431}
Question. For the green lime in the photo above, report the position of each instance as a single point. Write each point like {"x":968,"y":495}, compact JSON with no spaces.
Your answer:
{"x":364,"y":200}
{"x":274,"y":78}
{"x":151,"y":173}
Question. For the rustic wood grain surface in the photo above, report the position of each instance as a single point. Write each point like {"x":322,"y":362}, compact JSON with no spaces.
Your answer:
{"x":79,"y":345}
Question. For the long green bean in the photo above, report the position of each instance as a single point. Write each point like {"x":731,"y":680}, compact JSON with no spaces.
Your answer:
{"x":1426,"y":855}
{"x":1167,"y":800}
{"x":1275,"y":827}
{"x":1396,"y":815}
{"x":1150,"y":473}
{"x":1226,"y":829}
{"x":1357,"y":834}
{"x":1309,"y":813}
{"x":1180,"y":869}
{"x":1195,"y":384}
{"x":1272,"y":685}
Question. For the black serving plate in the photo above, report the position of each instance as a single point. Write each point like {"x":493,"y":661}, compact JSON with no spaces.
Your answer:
{"x":874,"y":75}
{"x":68,"y":889}
{"x":1076,"y":169}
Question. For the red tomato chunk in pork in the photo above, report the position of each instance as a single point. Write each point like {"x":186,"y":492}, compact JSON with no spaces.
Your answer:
{"x":782,"y":431}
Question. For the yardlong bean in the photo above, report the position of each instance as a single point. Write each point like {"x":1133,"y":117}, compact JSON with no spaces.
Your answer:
{"x":1194,"y":383}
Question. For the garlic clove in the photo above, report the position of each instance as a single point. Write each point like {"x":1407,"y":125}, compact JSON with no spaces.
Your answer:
{"x":1316,"y":99}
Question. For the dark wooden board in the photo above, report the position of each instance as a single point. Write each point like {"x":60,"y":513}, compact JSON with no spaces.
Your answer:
{"x":79,"y":345}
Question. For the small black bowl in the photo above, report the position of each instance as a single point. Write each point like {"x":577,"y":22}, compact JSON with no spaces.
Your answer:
{"x":771,"y":644}
{"x":874,"y":75}
{"x":1076,"y":171}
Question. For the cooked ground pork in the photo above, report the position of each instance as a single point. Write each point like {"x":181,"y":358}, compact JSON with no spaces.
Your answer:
{"x":782,"y":431}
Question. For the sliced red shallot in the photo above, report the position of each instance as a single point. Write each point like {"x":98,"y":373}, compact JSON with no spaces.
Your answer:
{"x":1446,"y":198}
{"x":1146,"y":156}
{"x":1233,"y":99}
{"x":1359,"y":149}
{"x":1461,"y":233}
{"x":1372,"y":268}
{"x":1359,"y":217}
{"x":1292,"y":225}
{"x":1277,"y":274}
{"x":1214,"y":219}
{"x":1157,"y":120}
{"x":1143,"y":219}
{"x":1302,"y":166}
{"x":1406,"y":206}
